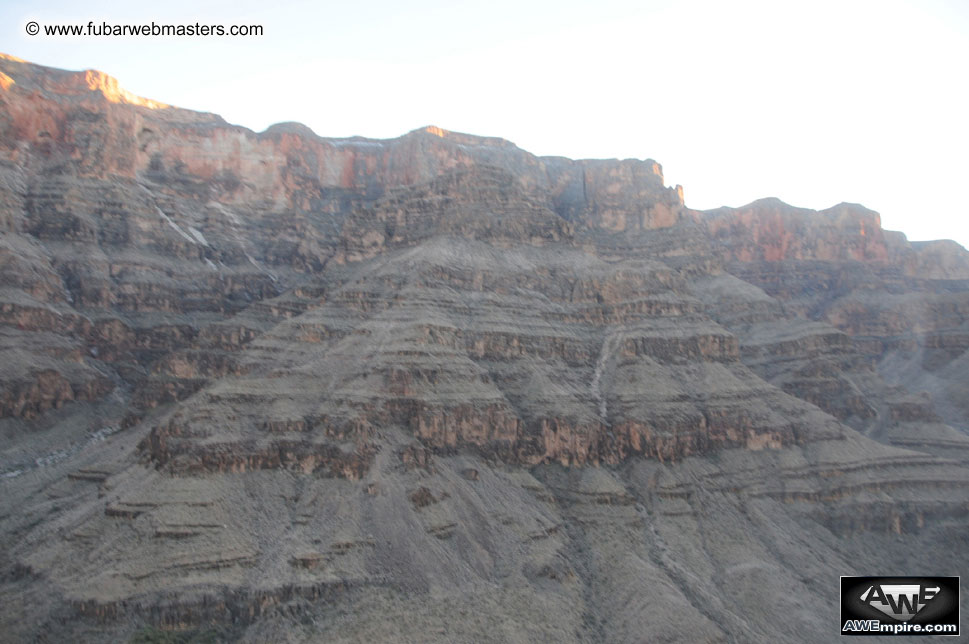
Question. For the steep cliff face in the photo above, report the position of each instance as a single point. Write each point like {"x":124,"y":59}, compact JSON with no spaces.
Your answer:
{"x":281,"y":387}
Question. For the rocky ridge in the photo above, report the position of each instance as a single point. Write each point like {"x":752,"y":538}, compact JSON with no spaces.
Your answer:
{"x":278,"y":386}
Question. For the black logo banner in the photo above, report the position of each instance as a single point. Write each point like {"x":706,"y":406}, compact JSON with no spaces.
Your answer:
{"x":899,"y":606}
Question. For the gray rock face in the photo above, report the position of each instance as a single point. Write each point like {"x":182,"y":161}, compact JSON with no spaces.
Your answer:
{"x":276,"y":387}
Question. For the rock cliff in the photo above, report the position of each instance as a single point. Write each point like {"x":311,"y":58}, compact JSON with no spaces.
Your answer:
{"x":273,"y":386}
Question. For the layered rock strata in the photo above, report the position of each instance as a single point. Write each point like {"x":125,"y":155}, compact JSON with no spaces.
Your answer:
{"x":273,"y":386}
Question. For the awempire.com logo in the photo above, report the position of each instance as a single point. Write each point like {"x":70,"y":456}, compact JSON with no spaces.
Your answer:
{"x":899,"y":605}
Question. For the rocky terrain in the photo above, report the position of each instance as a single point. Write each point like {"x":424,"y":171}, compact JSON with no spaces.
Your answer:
{"x":278,"y":387}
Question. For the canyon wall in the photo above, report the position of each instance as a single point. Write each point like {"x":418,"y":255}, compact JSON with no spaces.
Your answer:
{"x":273,"y":386}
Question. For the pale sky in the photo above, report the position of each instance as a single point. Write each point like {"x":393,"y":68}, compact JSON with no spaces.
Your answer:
{"x":813,"y":102}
